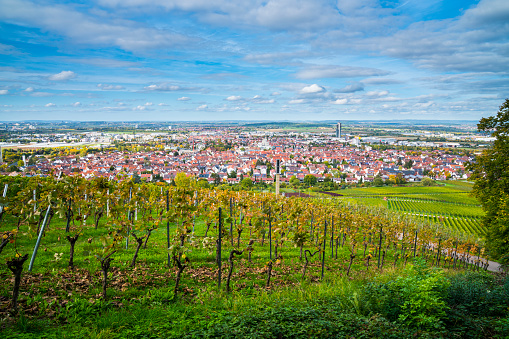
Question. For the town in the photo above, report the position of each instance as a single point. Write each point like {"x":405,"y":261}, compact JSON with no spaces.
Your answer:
{"x":226,"y":155}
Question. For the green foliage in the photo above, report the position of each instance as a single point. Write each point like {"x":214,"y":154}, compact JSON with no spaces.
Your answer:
{"x":415,"y":299}
{"x":491,"y":174}
{"x":427,"y":182}
{"x":479,"y":294}
{"x":378,"y":182}
{"x":327,"y":320}
{"x":310,"y":180}
{"x":246,"y":183}
{"x":182,"y":180}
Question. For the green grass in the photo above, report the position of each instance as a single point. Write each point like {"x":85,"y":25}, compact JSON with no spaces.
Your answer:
{"x":59,"y":303}
{"x":449,"y":204}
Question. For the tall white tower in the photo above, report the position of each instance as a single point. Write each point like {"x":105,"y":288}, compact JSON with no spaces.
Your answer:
{"x":338,"y":130}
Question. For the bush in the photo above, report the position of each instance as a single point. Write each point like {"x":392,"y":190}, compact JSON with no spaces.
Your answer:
{"x":299,"y":321}
{"x":415,"y":299}
{"x":480,"y":294}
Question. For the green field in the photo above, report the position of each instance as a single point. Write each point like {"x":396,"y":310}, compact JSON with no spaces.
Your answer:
{"x":449,"y":205}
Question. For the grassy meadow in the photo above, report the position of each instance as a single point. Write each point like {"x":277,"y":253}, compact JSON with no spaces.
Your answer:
{"x":403,"y":297}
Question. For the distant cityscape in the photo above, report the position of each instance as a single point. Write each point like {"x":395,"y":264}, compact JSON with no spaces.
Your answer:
{"x":229,"y":153}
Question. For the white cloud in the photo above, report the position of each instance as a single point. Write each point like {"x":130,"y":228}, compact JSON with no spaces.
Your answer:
{"x":264,"y":101}
{"x":234,"y":98}
{"x":50,"y":104}
{"x":296,"y":101}
{"x":275,"y":93}
{"x":324,"y":71}
{"x":278,"y":15}
{"x":351,"y":88}
{"x":243,"y":108}
{"x":63,"y":76}
{"x":340,"y":101}
{"x":202,"y":107}
{"x":162,"y":87}
{"x":41,"y":94}
{"x":184,"y":99}
{"x":162,"y":104}
{"x":258,"y":99}
{"x":139,"y":108}
{"x":110,"y":87}
{"x":149,"y":104}
{"x":29,"y":89}
{"x":9,"y":50}
{"x":312,"y":89}
{"x":4,"y":92}
{"x":377,"y":93}
{"x":76,"y":104}
{"x":85,"y":28}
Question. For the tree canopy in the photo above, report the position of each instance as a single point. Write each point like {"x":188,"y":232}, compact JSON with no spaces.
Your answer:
{"x":491,"y":174}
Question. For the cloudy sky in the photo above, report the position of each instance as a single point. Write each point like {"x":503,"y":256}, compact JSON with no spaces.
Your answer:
{"x":253,"y":59}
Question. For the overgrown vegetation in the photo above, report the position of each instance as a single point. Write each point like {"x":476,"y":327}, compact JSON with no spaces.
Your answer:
{"x":171,"y":287}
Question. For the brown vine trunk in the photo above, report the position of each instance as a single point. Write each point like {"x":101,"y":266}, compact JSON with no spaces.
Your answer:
{"x":352,"y":256}
{"x":181,"y":268}
{"x":105,"y":267}
{"x":230,"y":260}
{"x":149,"y":232}
{"x":207,"y":230}
{"x":307,"y":261}
{"x":72,"y":241}
{"x":269,"y":273}
{"x":16,"y":267}
{"x":238,"y":237}
{"x":140,"y":243}
{"x":97,"y":217}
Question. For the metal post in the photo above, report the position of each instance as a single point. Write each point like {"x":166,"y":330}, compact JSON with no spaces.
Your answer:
{"x":39,"y":239}
{"x":324,"y":244}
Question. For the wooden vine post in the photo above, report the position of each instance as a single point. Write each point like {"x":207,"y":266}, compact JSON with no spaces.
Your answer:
{"x":324,"y":244}
{"x":231,"y":222}
{"x":219,"y":250}
{"x":270,"y":237}
{"x":168,"y":227}
{"x":415,"y":242}
{"x":332,"y":238}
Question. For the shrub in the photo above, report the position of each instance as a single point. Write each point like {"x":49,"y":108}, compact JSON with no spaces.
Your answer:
{"x":415,"y":299}
{"x":480,"y":294}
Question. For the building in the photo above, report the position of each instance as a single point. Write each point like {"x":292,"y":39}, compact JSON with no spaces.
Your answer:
{"x":338,"y":130}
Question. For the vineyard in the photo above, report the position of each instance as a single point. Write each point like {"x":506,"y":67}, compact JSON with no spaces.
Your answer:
{"x":450,"y":207}
{"x":111,"y":240}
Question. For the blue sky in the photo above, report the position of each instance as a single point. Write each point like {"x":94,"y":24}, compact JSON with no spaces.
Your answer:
{"x":174,"y":60}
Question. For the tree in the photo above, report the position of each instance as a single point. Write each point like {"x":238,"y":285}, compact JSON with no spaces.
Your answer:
{"x":246,"y":183}
{"x":427,"y":182}
{"x":181,"y":180}
{"x":202,"y":183}
{"x":378,"y":182}
{"x":490,"y":170}
{"x":294,"y":181}
{"x":310,"y":179}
